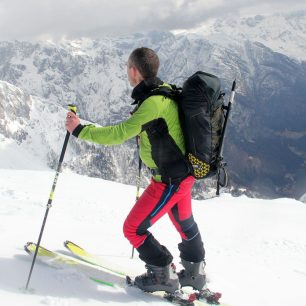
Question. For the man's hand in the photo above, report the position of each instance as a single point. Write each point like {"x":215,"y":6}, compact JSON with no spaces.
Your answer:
{"x":72,"y":121}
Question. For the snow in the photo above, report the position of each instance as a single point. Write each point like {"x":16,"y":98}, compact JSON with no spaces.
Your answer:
{"x":9,"y":147}
{"x":282,"y":32}
{"x":303,"y":198}
{"x":255,"y":249}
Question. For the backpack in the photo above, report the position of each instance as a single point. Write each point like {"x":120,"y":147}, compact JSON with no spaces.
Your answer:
{"x":203,"y":117}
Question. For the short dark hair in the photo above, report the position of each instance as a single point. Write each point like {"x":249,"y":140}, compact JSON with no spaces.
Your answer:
{"x":146,"y":61}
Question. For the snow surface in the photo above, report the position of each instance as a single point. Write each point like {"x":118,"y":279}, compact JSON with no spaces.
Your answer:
{"x":255,"y":249}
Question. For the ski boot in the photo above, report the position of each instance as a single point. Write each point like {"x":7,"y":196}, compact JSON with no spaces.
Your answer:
{"x":192,"y":275}
{"x":158,"y":279}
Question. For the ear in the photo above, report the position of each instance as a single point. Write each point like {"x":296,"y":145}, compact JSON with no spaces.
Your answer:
{"x":138,"y":76}
{"x":135,"y":72}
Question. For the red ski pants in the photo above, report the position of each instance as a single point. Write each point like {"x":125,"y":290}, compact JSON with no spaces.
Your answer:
{"x":157,"y":200}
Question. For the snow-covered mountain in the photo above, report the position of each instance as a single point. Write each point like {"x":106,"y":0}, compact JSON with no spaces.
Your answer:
{"x":32,"y":133}
{"x":284,"y":33}
{"x":255,"y":249}
{"x":266,"y":141}
{"x":24,"y":126}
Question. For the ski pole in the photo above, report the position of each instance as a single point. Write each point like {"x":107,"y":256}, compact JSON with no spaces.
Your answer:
{"x":220,"y":154}
{"x":137,"y":180}
{"x":72,"y":108}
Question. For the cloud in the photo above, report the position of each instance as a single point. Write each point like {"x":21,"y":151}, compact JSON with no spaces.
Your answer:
{"x":36,"y":19}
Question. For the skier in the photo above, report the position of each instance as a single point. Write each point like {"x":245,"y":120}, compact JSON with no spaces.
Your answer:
{"x":156,"y":121}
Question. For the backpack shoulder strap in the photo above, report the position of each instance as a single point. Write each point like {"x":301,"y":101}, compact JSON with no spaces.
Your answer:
{"x":172,"y":92}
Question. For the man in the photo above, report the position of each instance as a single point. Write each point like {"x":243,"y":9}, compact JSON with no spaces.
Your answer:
{"x":156,"y":121}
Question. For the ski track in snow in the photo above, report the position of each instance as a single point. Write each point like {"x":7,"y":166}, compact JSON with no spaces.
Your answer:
{"x":255,"y":249}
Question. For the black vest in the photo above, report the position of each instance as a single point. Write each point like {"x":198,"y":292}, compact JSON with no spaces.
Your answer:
{"x":172,"y":164}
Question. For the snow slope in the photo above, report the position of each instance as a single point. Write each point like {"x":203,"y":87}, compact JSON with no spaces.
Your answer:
{"x":255,"y":248}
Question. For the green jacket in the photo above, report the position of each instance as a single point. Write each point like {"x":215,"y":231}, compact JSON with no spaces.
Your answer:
{"x":151,"y":112}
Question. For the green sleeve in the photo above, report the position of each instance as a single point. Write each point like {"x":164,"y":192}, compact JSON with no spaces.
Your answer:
{"x":117,"y":134}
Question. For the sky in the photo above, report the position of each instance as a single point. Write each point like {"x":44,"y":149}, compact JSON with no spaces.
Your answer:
{"x":56,"y":19}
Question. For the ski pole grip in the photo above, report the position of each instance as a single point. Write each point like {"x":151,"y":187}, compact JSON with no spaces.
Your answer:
{"x":72,"y":108}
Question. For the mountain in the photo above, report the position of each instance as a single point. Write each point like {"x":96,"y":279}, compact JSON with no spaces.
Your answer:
{"x":266,"y":140}
{"x":283,"y":32}
{"x":32,"y":132}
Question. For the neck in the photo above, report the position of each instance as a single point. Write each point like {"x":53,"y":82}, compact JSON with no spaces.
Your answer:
{"x":138,"y":80}
{"x":142,"y":89}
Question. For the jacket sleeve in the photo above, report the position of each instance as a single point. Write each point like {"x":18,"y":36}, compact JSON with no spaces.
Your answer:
{"x":117,"y":134}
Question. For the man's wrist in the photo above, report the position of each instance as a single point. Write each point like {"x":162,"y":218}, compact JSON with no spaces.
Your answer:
{"x":76,"y":132}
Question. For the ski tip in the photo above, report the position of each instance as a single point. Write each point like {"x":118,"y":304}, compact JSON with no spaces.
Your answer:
{"x":27,"y":247}
{"x":68,"y":243}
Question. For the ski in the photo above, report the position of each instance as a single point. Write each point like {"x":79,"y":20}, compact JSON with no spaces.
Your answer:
{"x":204,"y":295}
{"x":104,"y":276}
{"x":80,"y":253}
{"x":59,"y":260}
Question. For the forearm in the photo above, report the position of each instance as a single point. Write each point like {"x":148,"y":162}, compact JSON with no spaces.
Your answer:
{"x":109,"y":135}
{"x":117,"y":134}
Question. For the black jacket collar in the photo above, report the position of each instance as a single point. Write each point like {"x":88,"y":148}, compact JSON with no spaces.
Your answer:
{"x":143,"y":89}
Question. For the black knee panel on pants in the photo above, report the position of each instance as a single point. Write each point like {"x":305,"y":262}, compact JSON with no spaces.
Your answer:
{"x":153,"y":253}
{"x":192,"y":250}
{"x":190,"y":228}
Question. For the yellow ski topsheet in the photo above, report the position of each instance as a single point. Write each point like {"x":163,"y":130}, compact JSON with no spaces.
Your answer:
{"x":82,"y":254}
{"x":30,"y":247}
